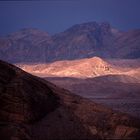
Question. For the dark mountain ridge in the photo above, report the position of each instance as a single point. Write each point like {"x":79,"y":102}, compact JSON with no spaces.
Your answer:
{"x":80,"y":41}
{"x":24,"y":46}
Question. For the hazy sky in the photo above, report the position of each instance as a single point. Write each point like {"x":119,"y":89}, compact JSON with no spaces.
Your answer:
{"x":57,"y":15}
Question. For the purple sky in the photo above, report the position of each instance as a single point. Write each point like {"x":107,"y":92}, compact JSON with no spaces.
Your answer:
{"x":57,"y":15}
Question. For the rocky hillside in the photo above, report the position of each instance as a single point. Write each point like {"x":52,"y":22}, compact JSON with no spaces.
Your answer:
{"x":79,"y":41}
{"x":120,"y":92}
{"x":127,"y":45}
{"x":84,"y":68}
{"x":34,"y":109}
{"x":90,"y":67}
{"x":25,"y":46}
{"x":83,"y":41}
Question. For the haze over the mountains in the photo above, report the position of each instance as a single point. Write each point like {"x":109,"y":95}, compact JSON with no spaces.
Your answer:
{"x":83,"y":40}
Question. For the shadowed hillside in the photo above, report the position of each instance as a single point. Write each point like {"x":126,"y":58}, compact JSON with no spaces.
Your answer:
{"x":119,"y":92}
{"x":34,"y":109}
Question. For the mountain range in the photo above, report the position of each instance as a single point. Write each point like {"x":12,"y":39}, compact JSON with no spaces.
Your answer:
{"x":79,"y":41}
{"x":91,"y":62}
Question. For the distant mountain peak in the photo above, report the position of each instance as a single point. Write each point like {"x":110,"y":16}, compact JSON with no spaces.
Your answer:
{"x":94,"y":28}
{"x":26,"y":32}
{"x":83,"y":40}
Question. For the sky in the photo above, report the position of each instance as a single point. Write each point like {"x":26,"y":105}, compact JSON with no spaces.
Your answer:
{"x":55,"y":16}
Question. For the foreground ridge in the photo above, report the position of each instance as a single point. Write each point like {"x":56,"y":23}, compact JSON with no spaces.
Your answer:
{"x":34,"y":109}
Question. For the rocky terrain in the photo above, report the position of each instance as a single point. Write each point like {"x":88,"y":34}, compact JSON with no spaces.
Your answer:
{"x":34,"y":109}
{"x":120,"y":92}
{"x":113,"y":82}
{"x":83,"y":40}
{"x":24,"y":46}
{"x":75,"y":68}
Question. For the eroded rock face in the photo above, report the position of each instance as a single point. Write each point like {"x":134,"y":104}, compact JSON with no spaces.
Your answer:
{"x":22,"y":99}
{"x":25,"y":46}
{"x":34,"y":109}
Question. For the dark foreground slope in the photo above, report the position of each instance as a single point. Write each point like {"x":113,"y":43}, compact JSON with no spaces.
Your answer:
{"x":33,"y":109}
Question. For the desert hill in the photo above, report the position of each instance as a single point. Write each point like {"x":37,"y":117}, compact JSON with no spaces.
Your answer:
{"x":84,"y":68}
{"x":89,"y":67}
